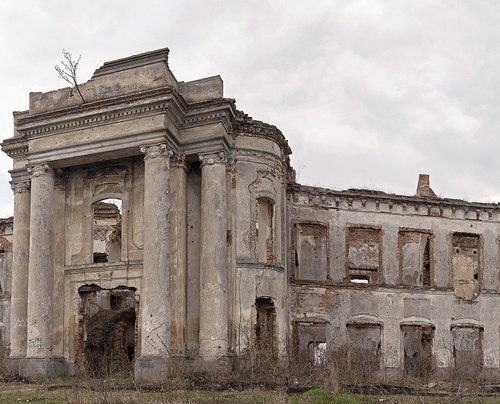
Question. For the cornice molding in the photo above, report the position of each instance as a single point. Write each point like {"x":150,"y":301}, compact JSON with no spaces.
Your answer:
{"x":15,"y":148}
{"x":380,"y":202}
{"x":246,"y":126}
{"x":91,"y":107}
{"x":93,"y":120}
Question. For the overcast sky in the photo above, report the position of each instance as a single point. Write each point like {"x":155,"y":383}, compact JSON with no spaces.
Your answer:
{"x":369,"y":93}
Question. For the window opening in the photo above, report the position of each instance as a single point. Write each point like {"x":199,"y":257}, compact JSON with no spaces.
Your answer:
{"x":264,"y":227}
{"x":311,"y":251}
{"x":415,"y":258}
{"x":107,"y":230}
{"x":426,"y":276}
{"x":467,"y":350}
{"x":364,"y":253}
{"x":364,"y":347}
{"x":317,"y":351}
{"x":360,"y":279}
{"x":466,"y":265}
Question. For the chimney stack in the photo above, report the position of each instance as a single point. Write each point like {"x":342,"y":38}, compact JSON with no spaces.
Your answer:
{"x":424,"y":187}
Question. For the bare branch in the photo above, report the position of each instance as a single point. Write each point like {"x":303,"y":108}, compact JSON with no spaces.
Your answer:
{"x":67,"y":70}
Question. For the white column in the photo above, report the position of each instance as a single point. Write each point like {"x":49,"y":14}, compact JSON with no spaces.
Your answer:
{"x":178,"y":248}
{"x":155,"y":292}
{"x":213,"y":268}
{"x":41,"y":263}
{"x":21,"y":245}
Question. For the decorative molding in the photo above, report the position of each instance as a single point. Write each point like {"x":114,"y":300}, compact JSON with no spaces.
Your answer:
{"x":154,"y":151}
{"x":99,"y":118}
{"x":213,"y":158}
{"x":40,"y":170}
{"x":21,"y":186}
{"x":205,"y":117}
{"x":15,"y":150}
{"x":253,"y":128}
{"x":378,"y":202}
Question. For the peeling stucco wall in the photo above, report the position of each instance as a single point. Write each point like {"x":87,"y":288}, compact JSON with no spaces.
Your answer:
{"x":431,"y":264}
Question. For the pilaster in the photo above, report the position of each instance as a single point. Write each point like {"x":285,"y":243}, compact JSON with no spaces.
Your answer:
{"x":178,"y":251}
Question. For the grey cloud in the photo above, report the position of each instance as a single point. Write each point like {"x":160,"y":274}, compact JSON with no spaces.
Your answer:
{"x":368,"y":92}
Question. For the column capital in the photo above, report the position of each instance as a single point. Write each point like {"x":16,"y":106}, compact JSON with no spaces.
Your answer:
{"x":20,"y":187}
{"x":213,"y":158}
{"x":40,"y":170}
{"x":178,"y":159}
{"x":157,"y":150}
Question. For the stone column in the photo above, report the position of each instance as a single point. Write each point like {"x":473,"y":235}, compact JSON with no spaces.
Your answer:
{"x":41,"y":263}
{"x":21,"y":246}
{"x":178,"y":251}
{"x":155,"y":293}
{"x":213,"y":268}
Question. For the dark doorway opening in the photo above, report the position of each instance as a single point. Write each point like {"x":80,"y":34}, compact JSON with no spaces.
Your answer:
{"x":265,"y":332}
{"x":107,"y":330}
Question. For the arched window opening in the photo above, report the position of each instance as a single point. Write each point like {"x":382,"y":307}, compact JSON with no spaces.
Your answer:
{"x":107,"y":230}
{"x":265,"y":230}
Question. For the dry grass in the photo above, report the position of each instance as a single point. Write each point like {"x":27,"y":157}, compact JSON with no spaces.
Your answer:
{"x":122,"y":390}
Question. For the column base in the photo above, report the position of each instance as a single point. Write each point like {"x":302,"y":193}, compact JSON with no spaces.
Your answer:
{"x":151,"y":370}
{"x":43,"y":368}
{"x":216,"y":364}
{"x":11,"y":364}
{"x":154,"y":370}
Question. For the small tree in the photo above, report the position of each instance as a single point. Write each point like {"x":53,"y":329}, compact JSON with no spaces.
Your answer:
{"x":67,"y":70}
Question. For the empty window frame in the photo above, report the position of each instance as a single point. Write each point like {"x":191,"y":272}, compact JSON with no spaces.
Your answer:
{"x":310,"y":347}
{"x":264,"y":227}
{"x":311,"y":251}
{"x":107,"y":231}
{"x":364,"y":347}
{"x":417,"y":342}
{"x":466,"y":265}
{"x":415,"y":252}
{"x":364,"y":254}
{"x":467,"y":349}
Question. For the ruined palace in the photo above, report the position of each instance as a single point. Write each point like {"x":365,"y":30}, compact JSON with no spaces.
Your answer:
{"x":156,"y":224}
